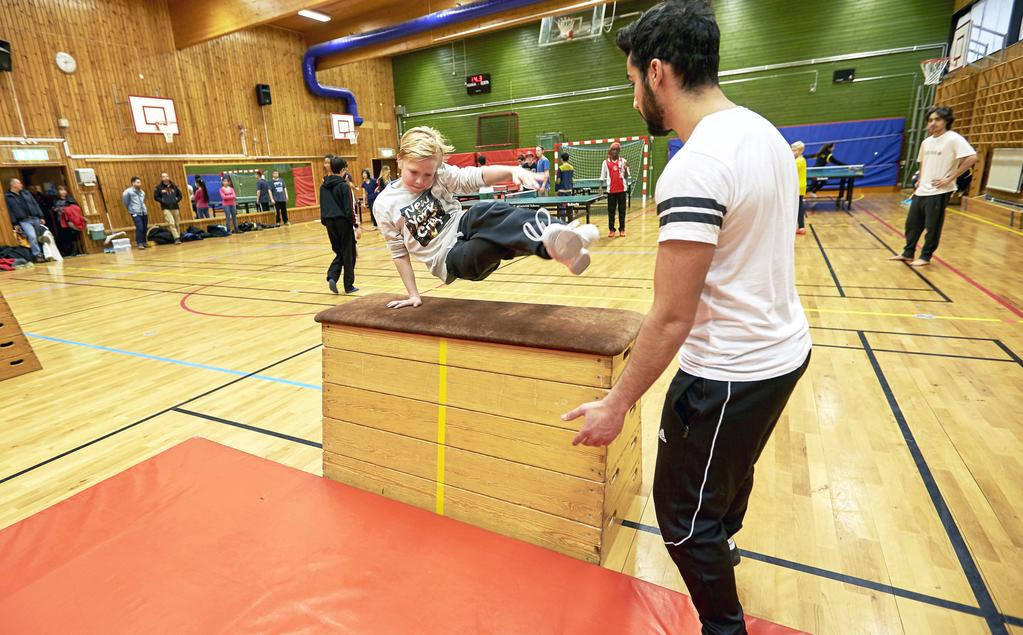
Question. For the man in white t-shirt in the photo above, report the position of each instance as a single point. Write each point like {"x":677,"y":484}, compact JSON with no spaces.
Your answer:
{"x":943,"y":157}
{"x":724,"y":301}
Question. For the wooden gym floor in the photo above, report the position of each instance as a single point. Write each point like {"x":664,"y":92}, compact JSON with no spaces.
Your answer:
{"x":886,"y":502}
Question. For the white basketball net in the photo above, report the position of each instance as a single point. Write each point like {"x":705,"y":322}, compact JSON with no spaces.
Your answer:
{"x":165,"y":129}
{"x":566,"y":26}
{"x":353,"y":137}
{"x":933,"y":69}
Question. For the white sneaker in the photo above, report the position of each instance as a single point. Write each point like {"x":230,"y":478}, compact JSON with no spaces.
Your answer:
{"x":565,"y":243}
{"x":566,"y":246}
{"x":589,"y":233}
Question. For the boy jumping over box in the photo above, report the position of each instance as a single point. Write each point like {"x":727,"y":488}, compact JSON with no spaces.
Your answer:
{"x":419,"y":217}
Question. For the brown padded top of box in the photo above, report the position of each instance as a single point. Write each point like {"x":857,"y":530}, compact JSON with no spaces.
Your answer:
{"x":589,"y":330}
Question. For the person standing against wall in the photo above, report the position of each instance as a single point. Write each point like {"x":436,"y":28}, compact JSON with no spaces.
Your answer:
{"x":201,"y":196}
{"x":168,"y":195}
{"x":134,"y":200}
{"x":229,"y":199}
{"x":279,"y":189}
{"x":262,"y":193}
{"x":26,"y":214}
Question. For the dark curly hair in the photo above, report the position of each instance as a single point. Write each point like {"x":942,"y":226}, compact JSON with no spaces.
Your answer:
{"x":682,"y":33}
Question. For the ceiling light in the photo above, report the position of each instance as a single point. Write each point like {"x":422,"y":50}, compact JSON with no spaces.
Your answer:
{"x":314,"y":15}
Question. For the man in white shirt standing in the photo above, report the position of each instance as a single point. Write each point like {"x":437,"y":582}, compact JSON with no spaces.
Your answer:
{"x":943,"y":157}
{"x":725,"y":301}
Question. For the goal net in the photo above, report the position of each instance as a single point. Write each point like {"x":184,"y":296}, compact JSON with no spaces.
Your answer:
{"x":587,"y":156}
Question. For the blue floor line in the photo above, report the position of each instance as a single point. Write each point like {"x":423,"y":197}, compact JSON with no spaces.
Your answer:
{"x":180,"y":362}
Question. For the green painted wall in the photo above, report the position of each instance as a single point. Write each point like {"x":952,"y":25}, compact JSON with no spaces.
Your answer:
{"x":753,"y":32}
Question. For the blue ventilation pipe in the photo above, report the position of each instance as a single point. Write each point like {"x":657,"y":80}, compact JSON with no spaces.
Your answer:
{"x":428,"y":22}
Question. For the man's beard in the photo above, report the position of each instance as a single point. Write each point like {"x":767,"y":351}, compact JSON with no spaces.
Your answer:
{"x":652,"y":113}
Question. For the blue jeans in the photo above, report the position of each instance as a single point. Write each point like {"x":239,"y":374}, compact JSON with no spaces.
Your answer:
{"x":141,"y":224}
{"x":202,"y":212}
{"x":231,"y":217}
{"x":32,"y":230}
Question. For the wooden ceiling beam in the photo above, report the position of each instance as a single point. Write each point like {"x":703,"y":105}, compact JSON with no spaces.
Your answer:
{"x":196,"y":21}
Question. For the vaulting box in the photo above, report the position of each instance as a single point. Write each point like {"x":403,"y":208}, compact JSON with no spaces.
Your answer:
{"x":455,"y":406}
{"x":16,"y":354}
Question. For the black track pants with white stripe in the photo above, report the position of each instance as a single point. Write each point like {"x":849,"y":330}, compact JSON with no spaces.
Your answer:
{"x":712,"y":433}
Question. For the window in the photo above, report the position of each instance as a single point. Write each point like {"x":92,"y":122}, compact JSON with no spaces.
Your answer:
{"x":989,"y":25}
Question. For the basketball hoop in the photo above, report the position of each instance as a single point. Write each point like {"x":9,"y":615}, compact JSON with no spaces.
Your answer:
{"x":566,"y":27}
{"x":166,"y":130}
{"x":933,"y":69}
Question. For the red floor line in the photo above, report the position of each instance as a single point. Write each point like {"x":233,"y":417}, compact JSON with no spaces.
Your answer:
{"x":184,"y":305}
{"x":991,"y":294}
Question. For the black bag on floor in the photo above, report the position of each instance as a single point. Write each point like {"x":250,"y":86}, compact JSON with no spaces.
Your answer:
{"x":160,"y":236}
{"x":216,"y":231}
{"x":190,"y":236}
{"x":246,"y":227}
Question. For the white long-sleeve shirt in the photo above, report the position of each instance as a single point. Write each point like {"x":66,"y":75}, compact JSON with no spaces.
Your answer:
{"x":424,"y":225}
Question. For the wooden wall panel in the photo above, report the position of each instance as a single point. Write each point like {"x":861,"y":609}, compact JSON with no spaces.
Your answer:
{"x":126,"y":47}
{"x":987,"y":101}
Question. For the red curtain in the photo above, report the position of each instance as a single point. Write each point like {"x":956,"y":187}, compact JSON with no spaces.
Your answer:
{"x":305,"y":191}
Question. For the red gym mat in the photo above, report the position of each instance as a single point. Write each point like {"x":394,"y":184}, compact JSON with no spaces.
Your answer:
{"x":207,"y":539}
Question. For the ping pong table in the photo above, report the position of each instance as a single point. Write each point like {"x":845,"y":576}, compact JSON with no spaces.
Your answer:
{"x":595,"y":186}
{"x":571,"y":204}
{"x":846,"y":176}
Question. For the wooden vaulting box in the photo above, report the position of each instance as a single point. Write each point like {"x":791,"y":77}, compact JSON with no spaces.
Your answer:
{"x":16,"y":354}
{"x":455,"y":406}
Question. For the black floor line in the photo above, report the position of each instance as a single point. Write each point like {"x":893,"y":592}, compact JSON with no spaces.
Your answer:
{"x":848,"y":579}
{"x":916,"y":271}
{"x":831,"y":270}
{"x":989,"y":611}
{"x":1009,"y":352}
{"x":157,"y":414}
{"x":245,"y":426}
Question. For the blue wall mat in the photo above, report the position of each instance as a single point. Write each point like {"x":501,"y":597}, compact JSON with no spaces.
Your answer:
{"x":876,"y":143}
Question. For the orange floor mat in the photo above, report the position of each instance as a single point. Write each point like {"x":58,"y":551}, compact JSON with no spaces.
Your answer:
{"x":203,"y":538}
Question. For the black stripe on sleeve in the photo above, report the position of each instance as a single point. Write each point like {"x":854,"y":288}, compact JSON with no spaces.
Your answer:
{"x":690,"y":217}
{"x":690,"y":201}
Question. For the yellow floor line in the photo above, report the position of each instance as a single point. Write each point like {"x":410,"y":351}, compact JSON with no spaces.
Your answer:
{"x":987,"y":222}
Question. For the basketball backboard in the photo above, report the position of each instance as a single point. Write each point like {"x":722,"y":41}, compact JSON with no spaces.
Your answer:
{"x":150,"y":113}
{"x":960,"y":44}
{"x":570,"y":27}
{"x":343,"y":127}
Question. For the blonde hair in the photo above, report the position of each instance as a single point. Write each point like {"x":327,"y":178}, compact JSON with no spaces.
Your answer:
{"x":385,"y":173}
{"x":423,"y":142}
{"x":798,"y":145}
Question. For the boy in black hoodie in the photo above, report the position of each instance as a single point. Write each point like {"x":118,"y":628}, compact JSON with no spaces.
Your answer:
{"x":337,"y":214}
